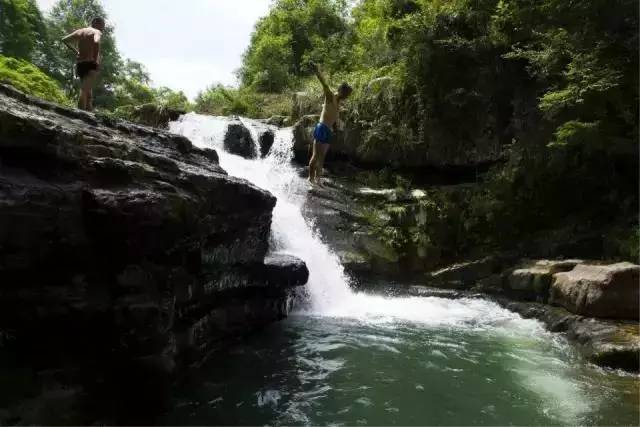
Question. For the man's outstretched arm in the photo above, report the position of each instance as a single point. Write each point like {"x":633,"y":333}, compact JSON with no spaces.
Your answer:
{"x":323,"y":81}
{"x":68,"y":38}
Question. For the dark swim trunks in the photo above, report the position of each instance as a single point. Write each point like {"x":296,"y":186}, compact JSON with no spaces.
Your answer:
{"x":322,"y":133}
{"x":83,"y":68}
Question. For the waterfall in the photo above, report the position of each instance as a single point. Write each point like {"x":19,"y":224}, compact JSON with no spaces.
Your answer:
{"x":328,"y":287}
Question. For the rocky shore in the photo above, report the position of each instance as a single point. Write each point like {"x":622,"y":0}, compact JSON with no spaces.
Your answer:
{"x":594,"y":303}
{"x":127,"y":255}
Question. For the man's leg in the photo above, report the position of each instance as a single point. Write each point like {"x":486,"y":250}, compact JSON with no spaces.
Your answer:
{"x":313,"y":162}
{"x":82,"y":103}
{"x":322,"y":154}
{"x":87,"y":84}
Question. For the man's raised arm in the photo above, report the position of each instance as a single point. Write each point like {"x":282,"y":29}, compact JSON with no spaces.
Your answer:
{"x":323,"y":81}
{"x":71,"y":37}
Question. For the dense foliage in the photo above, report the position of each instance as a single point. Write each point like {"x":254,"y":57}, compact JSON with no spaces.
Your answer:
{"x":552,"y":82}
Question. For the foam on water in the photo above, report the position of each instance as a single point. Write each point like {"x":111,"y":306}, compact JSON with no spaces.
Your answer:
{"x":328,"y":287}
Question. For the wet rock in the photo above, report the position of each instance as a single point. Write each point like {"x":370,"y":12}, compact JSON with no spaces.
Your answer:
{"x":532,"y":281}
{"x":608,"y":291}
{"x":608,"y":343}
{"x":464,"y":275}
{"x":303,"y":138}
{"x":265,"y":141}
{"x":283,"y":270}
{"x":126,"y":255}
{"x":238,"y":140}
{"x":151,"y":114}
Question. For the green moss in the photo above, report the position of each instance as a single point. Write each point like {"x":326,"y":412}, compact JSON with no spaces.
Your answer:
{"x":31,"y":80}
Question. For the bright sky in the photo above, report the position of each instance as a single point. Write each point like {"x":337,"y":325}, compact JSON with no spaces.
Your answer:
{"x":185,"y":44}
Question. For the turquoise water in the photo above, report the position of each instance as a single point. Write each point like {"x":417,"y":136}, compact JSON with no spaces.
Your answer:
{"x":310,"y":370}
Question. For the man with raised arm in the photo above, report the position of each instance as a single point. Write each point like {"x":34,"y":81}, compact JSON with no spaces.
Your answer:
{"x":324,"y":129}
{"x":87,"y":49}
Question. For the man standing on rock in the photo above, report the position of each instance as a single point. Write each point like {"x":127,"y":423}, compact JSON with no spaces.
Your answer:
{"x":88,"y":58}
{"x":324,"y":129}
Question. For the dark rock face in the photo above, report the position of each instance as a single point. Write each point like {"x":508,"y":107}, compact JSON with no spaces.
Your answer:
{"x":126,"y":255}
{"x":238,"y":140}
{"x":265,"y":141}
{"x":464,"y":275}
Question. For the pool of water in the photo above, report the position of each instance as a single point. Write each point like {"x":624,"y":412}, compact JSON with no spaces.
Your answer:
{"x":312,"y":370}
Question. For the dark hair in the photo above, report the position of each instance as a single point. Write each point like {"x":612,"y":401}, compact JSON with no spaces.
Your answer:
{"x":98,"y":20}
{"x":345,"y":89}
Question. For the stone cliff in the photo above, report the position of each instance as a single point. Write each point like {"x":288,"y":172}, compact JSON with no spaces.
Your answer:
{"x":126,"y":255}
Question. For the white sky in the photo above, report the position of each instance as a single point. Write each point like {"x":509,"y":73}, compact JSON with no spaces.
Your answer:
{"x":185,"y":44}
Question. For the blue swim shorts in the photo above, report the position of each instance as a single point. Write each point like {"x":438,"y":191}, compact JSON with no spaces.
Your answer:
{"x":322,"y":133}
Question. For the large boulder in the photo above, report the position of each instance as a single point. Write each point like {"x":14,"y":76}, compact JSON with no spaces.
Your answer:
{"x":607,"y":291}
{"x":303,"y":138}
{"x":265,"y":141}
{"x":531,"y":282}
{"x":238,"y":140}
{"x":126,"y":255}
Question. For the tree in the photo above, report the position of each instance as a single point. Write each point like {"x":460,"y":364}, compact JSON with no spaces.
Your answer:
{"x":23,"y":33}
{"x":172,"y":99}
{"x":294,"y":32}
{"x":131,"y":85}
{"x":67,"y":16}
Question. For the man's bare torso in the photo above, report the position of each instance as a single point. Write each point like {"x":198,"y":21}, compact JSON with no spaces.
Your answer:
{"x":329,"y":110}
{"x":88,"y":44}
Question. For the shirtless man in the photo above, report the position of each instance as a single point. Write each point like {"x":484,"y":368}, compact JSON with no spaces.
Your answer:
{"x":88,"y":58}
{"x":323,"y":130}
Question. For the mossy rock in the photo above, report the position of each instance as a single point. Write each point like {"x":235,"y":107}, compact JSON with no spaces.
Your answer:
{"x":29,"y":79}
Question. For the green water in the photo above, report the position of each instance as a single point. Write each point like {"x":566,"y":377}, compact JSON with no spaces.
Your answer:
{"x":312,"y":370}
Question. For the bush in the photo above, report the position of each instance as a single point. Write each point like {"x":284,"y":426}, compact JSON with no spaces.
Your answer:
{"x":31,"y":80}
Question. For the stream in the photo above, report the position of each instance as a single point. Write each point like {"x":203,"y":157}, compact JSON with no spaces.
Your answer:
{"x":347,"y":358}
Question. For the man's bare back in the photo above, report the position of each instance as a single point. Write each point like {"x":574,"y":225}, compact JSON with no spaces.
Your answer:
{"x":87,"y":49}
{"x":88,"y":44}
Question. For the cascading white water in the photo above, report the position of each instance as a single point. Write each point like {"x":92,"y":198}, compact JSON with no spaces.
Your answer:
{"x":328,"y":285}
